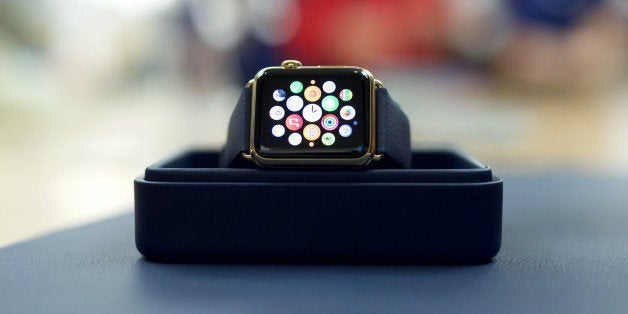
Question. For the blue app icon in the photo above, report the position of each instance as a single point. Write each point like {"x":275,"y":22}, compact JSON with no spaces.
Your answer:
{"x":279,"y":95}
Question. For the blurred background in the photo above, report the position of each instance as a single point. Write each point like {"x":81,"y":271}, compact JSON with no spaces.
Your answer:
{"x":93,"y":91}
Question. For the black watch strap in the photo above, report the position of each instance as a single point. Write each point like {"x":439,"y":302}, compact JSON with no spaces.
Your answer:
{"x":393,"y":133}
{"x":238,"y":134}
{"x":392,"y":138}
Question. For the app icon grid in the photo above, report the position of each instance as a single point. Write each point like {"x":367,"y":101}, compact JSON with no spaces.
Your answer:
{"x":308,"y":104}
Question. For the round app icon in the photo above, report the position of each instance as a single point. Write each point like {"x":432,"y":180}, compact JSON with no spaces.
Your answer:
{"x":328,"y":139}
{"x":346,"y":94}
{"x":279,"y":95}
{"x":311,"y":132}
{"x":329,"y":87}
{"x":345,"y":130}
{"x":312,"y":93}
{"x":330,"y":103}
{"x":294,"y":103}
{"x":295,"y":139}
{"x":276,"y":112}
{"x":296,"y":87}
{"x":347,"y":112}
{"x":278,"y":130}
{"x":294,"y":122}
{"x":312,"y":112}
{"x":329,"y":122}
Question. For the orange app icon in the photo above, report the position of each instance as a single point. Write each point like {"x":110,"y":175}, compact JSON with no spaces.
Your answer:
{"x":311,"y":132}
{"x":312,"y":93}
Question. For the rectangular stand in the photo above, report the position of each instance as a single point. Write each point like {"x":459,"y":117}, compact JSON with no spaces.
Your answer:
{"x":446,"y":209}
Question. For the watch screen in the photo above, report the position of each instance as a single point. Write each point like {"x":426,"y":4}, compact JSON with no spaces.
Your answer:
{"x":312,"y":113}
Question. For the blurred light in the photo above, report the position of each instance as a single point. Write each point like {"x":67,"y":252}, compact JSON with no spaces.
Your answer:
{"x":133,"y":7}
{"x":621,"y":6}
{"x":274,"y":22}
{"x":221,"y":23}
{"x":478,"y":29}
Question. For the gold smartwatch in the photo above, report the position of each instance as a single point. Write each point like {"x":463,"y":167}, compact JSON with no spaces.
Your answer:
{"x":316,"y":116}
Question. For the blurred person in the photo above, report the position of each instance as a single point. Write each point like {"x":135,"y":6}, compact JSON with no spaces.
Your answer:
{"x":477,"y":30}
{"x":253,"y":34}
{"x":544,"y":44}
{"x":370,"y":32}
{"x":230,"y":40}
{"x":575,"y":45}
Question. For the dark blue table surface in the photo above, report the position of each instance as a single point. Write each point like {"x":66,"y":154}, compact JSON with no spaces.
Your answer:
{"x":564,"y":249}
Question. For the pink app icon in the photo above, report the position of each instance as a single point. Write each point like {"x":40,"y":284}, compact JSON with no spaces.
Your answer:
{"x":294,"y":122}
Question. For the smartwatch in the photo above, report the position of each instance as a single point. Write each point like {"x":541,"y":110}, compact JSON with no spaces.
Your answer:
{"x":316,"y":116}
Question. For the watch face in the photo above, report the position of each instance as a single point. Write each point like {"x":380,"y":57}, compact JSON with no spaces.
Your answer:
{"x":312,"y":113}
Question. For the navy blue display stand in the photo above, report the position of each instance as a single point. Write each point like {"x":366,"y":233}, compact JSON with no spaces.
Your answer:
{"x":446,"y":209}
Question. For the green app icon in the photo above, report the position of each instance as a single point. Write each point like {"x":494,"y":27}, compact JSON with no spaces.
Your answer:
{"x":296,"y":87}
{"x":328,"y":139}
{"x":330,"y":103}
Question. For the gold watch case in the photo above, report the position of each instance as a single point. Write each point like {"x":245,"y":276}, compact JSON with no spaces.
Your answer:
{"x":369,"y":155}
